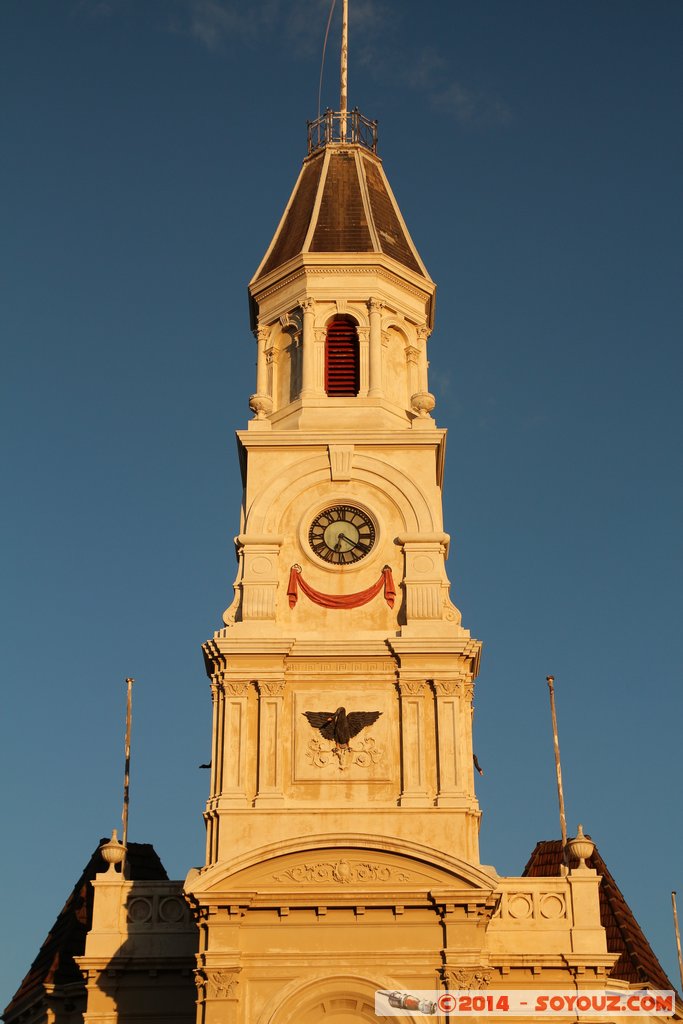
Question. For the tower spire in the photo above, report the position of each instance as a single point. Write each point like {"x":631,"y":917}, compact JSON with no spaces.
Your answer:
{"x":344,"y":69}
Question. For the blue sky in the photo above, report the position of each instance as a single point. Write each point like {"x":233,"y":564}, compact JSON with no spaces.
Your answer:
{"x":149,"y":149}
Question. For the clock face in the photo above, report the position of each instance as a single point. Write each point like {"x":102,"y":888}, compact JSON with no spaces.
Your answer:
{"x":342,"y":534}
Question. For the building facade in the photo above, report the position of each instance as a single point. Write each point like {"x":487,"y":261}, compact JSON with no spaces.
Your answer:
{"x":342,"y":852}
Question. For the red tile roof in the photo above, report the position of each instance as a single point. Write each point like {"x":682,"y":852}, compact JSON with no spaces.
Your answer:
{"x":54,"y":964}
{"x":637,"y":963}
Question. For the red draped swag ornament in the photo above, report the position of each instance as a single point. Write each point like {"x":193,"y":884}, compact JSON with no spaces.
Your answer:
{"x":296,"y":582}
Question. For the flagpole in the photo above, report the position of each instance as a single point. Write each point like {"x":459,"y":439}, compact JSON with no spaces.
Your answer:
{"x":678,"y":938}
{"x":126,"y":771}
{"x":344,"y":70}
{"x":558,"y":768}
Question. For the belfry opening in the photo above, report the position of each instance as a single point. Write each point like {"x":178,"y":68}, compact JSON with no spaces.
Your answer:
{"x":342,"y":362}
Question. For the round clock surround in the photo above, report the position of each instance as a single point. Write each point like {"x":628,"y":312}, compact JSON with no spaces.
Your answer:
{"x":342,"y":534}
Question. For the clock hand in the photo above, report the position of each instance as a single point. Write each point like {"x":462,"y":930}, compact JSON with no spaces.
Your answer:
{"x":342,"y":536}
{"x":363,"y":547}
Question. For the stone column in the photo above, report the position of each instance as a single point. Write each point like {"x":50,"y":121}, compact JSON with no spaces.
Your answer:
{"x":270,"y":743}
{"x":422,"y":335}
{"x":375,"y":307}
{"x":262,"y":334}
{"x":413,"y":743}
{"x":234,"y":743}
{"x":261,"y":403}
{"x":364,"y":360}
{"x":308,"y":362}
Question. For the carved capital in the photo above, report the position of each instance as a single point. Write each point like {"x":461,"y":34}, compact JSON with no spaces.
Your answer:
{"x":423,"y":333}
{"x":291,"y":321}
{"x":448,"y":687}
{"x":308,"y":306}
{"x":222,"y":983}
{"x":412,"y":354}
{"x":271,"y":687}
{"x":262,"y":333}
{"x":375,"y":306}
{"x":458,"y":979}
{"x":412,"y":687}
{"x":236,"y":689}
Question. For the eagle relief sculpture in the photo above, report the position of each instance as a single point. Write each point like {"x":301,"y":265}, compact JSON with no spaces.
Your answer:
{"x":340,"y":728}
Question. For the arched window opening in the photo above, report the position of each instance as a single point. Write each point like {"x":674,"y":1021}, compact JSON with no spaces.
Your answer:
{"x":342,"y":361}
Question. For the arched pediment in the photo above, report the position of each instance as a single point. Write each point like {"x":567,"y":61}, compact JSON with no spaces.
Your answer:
{"x":265,"y":513}
{"x":341,"y":864}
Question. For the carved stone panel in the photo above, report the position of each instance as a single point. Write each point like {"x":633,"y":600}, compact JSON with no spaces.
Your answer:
{"x":369,"y":754}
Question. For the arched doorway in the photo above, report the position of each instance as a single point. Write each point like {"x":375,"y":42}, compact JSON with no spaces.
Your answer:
{"x":337,"y":1000}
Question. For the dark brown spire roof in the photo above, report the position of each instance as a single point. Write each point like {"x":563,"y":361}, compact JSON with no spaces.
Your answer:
{"x":637,"y":963}
{"x":54,"y":965}
{"x":342,"y":203}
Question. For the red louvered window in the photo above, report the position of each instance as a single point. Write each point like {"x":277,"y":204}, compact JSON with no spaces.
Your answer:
{"x":342,"y":374}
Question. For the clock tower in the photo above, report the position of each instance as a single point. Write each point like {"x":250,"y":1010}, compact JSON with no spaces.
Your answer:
{"x":342,"y":821}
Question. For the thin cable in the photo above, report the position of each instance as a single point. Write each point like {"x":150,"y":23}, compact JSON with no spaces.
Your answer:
{"x":322,"y":64}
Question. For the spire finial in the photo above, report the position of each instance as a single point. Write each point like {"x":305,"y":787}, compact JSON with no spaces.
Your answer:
{"x":344,"y":69}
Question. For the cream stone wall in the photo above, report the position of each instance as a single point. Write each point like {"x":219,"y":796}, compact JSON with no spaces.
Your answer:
{"x":140,"y":953}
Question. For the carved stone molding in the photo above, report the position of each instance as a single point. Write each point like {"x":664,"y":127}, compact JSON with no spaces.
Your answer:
{"x":363,"y":756}
{"x":236,"y":689}
{"x":291,"y":321}
{"x":449,"y":687}
{"x":342,"y":872}
{"x":412,"y":687}
{"x":271,"y":687}
{"x":423,"y":600}
{"x":412,"y":354}
{"x":218,"y":983}
{"x":341,"y":461}
{"x":458,"y":979}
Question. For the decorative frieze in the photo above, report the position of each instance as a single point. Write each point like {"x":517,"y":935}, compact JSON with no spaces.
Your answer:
{"x":342,"y":872}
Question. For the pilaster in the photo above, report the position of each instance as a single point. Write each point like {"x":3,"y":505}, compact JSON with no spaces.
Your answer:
{"x":414,"y":791}
{"x":271,"y":741}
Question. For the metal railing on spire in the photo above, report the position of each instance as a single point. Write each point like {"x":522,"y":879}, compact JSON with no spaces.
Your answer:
{"x":342,"y":126}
